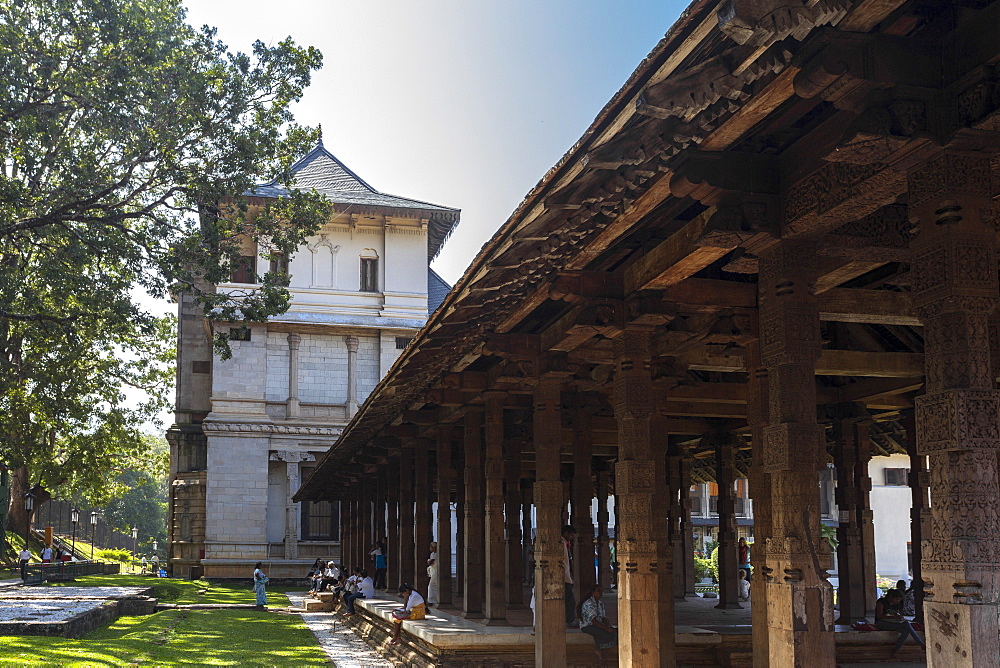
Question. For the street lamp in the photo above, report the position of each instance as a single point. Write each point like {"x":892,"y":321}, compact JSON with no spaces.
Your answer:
{"x":135,"y":541}
{"x":29,"y":505}
{"x":74,"y":517}
{"x":93,"y":529}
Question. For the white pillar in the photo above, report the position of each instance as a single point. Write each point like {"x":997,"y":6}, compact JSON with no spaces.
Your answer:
{"x":292,"y":509}
{"x":293,"y":375}
{"x":352,"y":375}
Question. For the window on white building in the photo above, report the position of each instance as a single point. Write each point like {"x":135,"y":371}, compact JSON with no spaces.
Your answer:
{"x":896,"y":477}
{"x":279,"y":266}
{"x":402,"y":342}
{"x":245,"y":270}
{"x":369,"y":274}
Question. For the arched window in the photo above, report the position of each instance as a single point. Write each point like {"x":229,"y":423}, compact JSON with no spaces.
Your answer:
{"x":369,"y":271}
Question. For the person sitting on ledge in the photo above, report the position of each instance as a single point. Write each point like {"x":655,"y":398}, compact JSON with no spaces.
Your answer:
{"x":594,"y":621}
{"x":413,"y":609}
{"x":887,"y":619}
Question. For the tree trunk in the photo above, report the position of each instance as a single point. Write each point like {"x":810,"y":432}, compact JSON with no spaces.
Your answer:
{"x":17,"y":517}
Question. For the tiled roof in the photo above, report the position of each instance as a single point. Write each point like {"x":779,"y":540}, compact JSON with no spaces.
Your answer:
{"x":320,"y":170}
{"x":437,"y":290}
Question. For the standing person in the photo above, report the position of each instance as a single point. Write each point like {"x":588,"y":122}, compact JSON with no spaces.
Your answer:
{"x":378,"y":556}
{"x":413,"y":609}
{"x":594,"y":621}
{"x":144,"y":563}
{"x":743,"y":556}
{"x":156,"y":565}
{"x":568,"y":536}
{"x":22,"y":559}
{"x":259,"y":583}
{"x":433,"y":588}
{"x":47,"y":555}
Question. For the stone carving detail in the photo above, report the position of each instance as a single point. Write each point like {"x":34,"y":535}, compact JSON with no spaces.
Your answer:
{"x":242,"y":427}
{"x":958,"y":420}
{"x":950,"y":176}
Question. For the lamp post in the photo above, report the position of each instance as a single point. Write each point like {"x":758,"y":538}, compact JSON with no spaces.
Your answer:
{"x":93,"y":529}
{"x":29,"y":505}
{"x":74,"y":517}
{"x":135,"y":543}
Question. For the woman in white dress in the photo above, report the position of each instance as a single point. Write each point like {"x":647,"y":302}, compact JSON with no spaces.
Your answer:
{"x":433,"y":588}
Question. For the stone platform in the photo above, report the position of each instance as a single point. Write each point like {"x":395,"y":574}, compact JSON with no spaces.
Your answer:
{"x":68,"y":611}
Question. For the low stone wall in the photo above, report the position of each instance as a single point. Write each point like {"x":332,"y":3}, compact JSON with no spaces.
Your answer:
{"x":97,"y":606}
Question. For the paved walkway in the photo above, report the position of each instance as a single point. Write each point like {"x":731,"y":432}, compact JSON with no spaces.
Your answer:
{"x":345,"y":649}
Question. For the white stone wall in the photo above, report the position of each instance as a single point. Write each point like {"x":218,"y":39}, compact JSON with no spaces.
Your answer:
{"x":245,"y":374}
{"x":236,"y":496}
{"x":323,"y":369}
{"x":891,"y":511}
{"x":368,"y":366}
{"x":277,"y":366}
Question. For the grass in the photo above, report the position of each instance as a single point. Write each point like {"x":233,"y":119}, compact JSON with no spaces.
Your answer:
{"x":178,"y":637}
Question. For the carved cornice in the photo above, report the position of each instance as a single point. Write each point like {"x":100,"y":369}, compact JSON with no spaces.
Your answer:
{"x":259,"y":428}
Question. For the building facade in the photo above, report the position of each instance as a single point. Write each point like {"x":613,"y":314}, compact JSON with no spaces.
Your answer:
{"x":248,"y":429}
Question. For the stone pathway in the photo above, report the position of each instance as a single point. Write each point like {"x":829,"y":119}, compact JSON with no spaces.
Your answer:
{"x":345,"y":649}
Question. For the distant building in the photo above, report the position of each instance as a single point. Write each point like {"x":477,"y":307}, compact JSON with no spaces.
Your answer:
{"x":247,"y":430}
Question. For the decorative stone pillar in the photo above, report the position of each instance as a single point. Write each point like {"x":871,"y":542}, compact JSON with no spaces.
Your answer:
{"x":495,"y":609}
{"x":293,"y":375}
{"x":352,"y":375}
{"x":638,"y":599}
{"x":405,"y":544}
{"x":475,"y":570}
{"x":292,"y":509}
{"x":855,"y":530}
{"x":444,"y":480}
{"x":582,"y":499}
{"x":512,"y":520}
{"x":422,"y":522}
{"x":603,"y":542}
{"x":725,"y":478}
{"x":759,"y":483}
{"x":392,"y":526}
{"x":954,"y":261}
{"x":550,"y":612}
{"x":799,"y":598}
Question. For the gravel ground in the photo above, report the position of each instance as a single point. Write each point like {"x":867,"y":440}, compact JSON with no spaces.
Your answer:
{"x":37,"y":610}
{"x":344,"y":648}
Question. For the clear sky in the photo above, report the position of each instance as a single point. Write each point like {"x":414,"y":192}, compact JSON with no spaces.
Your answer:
{"x":465,"y":103}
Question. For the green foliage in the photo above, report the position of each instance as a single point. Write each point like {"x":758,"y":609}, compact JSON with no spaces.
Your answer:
{"x":143,"y":503}
{"x":710,"y":545}
{"x":128,"y":141}
{"x":714,"y":562}
{"x":114,"y":555}
{"x":829,"y":534}
{"x":702,"y":567}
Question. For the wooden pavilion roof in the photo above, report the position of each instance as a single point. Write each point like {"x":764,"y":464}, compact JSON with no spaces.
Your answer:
{"x":750,"y":121}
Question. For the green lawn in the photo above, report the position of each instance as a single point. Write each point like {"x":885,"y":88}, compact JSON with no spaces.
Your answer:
{"x":178,"y":637}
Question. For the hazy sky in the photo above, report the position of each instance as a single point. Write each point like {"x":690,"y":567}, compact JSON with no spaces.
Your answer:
{"x":464,"y":103}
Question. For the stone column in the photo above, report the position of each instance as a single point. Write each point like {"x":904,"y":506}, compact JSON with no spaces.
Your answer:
{"x":475,"y":570}
{"x":639,"y":606}
{"x":512,"y":520}
{"x":292,"y":514}
{"x":550,"y":612}
{"x":855,"y":531}
{"x":406,"y":534}
{"x":352,"y":375}
{"x":495,"y":609}
{"x":581,"y":499}
{"x":392,"y":526}
{"x":954,"y":261}
{"x":444,"y":479}
{"x":293,"y":375}
{"x":422,"y":522}
{"x":799,"y":597}
{"x":725,"y":477}
{"x":603,"y":541}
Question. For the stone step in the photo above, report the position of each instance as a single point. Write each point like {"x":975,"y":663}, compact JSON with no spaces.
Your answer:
{"x":326,"y":596}
{"x":319,"y":606}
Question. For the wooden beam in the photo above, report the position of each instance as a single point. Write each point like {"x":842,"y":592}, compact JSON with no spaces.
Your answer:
{"x":831,"y":363}
{"x":834,"y":272}
{"x":881,"y":307}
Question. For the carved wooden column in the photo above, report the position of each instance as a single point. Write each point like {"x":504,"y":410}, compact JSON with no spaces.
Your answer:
{"x":422,"y":529}
{"x":381,"y":482}
{"x":392,"y":525}
{"x":459,"y":461}
{"x":919,"y":480}
{"x":759,"y":483}
{"x":362,"y":526}
{"x":799,"y":597}
{"x":475,"y":567}
{"x":512,"y":520}
{"x":638,"y":587}
{"x":527,"y":537}
{"x":954,"y":259}
{"x":550,"y":613}
{"x":344,"y":531}
{"x":725,"y":478}
{"x":366,"y":525}
{"x":603,"y":541}
{"x":445,"y":476}
{"x":495,"y":608}
{"x":404,"y":548}
{"x":660,"y":526}
{"x":855,"y":531}
{"x":679,"y":517}
{"x":582,"y":499}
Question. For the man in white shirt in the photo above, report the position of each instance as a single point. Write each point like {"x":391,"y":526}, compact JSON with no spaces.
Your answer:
{"x":366,"y":589}
{"x":23,"y":558}
{"x":47,"y":555}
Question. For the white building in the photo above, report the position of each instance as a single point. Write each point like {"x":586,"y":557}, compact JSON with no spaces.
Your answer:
{"x":248,"y":429}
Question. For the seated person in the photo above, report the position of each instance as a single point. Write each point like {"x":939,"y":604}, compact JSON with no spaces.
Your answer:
{"x":330,"y":576}
{"x":413,"y":609}
{"x":594,"y":621}
{"x":366,"y":589}
{"x":887,"y":619}
{"x":744,"y":586}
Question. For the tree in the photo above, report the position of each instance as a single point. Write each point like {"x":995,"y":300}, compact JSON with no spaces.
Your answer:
{"x":128,"y":142}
